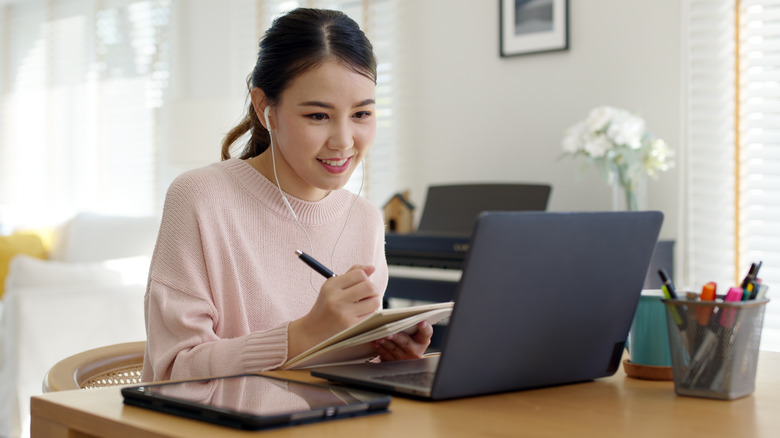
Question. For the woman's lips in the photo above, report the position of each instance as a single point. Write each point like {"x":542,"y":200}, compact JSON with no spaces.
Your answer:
{"x":335,"y":165}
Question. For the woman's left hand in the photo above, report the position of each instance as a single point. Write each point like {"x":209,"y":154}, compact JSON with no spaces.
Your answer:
{"x":401,"y":346}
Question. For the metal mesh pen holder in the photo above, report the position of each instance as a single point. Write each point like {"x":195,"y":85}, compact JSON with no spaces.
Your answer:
{"x":714,"y":346}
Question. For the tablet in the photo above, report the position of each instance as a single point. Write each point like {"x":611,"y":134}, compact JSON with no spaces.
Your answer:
{"x":255,"y":401}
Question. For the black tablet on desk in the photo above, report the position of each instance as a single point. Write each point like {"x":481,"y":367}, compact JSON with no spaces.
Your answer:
{"x":255,"y":401}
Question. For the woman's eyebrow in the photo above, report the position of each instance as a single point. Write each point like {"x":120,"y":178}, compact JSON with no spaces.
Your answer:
{"x":365,"y":102}
{"x":320,"y":104}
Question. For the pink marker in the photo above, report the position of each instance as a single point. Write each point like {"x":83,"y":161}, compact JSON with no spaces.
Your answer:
{"x":728,"y":316}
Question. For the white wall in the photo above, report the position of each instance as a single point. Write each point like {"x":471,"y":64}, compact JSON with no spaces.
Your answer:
{"x":470,"y":115}
{"x":466,"y":114}
{"x":215,"y":48}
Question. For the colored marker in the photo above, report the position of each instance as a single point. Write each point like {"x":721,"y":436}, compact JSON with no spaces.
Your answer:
{"x":668,"y":285}
{"x":703,"y":313}
{"x":671,"y":294}
{"x":729,"y":315}
{"x":746,"y":280}
{"x":755,"y":281}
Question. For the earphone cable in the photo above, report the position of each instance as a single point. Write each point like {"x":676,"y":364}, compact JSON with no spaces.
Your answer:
{"x":295,"y":217}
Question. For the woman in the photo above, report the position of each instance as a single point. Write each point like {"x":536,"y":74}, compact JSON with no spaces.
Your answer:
{"x":226,"y":294}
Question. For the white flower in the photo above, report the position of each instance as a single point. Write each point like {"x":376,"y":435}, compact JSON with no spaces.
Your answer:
{"x":658,"y":158}
{"x":572,"y":143}
{"x":600,"y":117}
{"x":597,"y":146}
{"x":617,"y":142}
{"x":626,"y":129}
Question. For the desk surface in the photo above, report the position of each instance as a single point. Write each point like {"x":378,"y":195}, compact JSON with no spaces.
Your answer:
{"x":614,"y":406}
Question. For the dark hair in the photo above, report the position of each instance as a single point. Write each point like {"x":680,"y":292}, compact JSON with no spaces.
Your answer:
{"x":296,"y":43}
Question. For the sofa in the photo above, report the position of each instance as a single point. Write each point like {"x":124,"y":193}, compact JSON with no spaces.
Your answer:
{"x":86,"y":291}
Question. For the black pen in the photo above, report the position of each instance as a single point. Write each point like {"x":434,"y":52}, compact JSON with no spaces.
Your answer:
{"x":317,"y":266}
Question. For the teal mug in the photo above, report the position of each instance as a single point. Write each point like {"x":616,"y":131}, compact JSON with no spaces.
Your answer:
{"x":648,"y":340}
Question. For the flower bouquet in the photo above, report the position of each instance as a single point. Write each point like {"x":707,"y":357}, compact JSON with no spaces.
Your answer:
{"x":618,"y":145}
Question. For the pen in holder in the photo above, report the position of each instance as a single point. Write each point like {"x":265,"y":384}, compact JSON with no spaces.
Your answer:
{"x":716,"y":355}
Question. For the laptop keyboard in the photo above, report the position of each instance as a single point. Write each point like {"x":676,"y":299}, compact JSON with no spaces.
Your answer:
{"x":423,"y":378}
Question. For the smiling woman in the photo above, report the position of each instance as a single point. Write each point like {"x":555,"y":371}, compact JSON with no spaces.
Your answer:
{"x":224,"y":281}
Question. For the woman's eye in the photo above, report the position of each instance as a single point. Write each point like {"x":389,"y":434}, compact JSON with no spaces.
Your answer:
{"x":318,"y":116}
{"x":363,"y":114}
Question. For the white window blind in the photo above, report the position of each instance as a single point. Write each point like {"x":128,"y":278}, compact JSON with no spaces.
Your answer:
{"x":82,"y":80}
{"x":732,"y":193}
{"x":709,"y":171}
{"x":379,"y":20}
{"x":759,"y":146}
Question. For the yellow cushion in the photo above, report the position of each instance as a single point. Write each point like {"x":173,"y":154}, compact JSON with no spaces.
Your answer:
{"x":18,"y":243}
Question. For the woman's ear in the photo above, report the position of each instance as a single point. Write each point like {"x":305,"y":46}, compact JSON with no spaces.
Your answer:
{"x":259,"y":104}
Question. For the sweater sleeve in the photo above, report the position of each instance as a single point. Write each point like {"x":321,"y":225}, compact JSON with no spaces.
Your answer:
{"x":182,"y":343}
{"x":182,"y":319}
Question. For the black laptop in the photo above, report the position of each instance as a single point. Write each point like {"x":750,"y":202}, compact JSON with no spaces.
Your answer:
{"x":545,"y":299}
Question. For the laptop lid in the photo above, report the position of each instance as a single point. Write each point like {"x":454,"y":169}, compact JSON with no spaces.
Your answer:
{"x":544,"y":299}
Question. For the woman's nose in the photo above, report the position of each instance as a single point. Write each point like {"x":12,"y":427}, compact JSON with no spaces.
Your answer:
{"x":341,"y":137}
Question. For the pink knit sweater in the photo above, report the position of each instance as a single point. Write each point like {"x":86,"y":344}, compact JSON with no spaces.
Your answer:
{"x":225,"y":280}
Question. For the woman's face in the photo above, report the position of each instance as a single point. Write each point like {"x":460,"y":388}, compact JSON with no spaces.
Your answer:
{"x":322,"y":126}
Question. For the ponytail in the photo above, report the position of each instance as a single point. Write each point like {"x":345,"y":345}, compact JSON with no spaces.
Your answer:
{"x":258,"y":139}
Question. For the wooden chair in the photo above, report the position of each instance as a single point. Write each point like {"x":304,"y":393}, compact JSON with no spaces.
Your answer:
{"x":112,"y":365}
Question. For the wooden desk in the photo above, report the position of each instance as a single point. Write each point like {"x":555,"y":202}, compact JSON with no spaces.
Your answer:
{"x":616,"y":406}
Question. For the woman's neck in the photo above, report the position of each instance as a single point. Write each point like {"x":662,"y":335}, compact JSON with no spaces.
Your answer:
{"x":263,"y":163}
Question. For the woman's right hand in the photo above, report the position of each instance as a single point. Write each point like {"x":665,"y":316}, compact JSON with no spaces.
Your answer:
{"x":343,"y":301}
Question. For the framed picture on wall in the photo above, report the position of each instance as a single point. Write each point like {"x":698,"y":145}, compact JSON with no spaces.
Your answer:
{"x":533,"y":26}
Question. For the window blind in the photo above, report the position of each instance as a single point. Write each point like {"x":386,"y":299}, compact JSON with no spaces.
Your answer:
{"x":709,"y":171}
{"x":81,"y":82}
{"x":759,"y":147}
{"x":732,"y":136}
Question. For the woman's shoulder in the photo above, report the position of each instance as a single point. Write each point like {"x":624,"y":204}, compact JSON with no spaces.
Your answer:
{"x":198,"y":188}
{"x":203,"y":179}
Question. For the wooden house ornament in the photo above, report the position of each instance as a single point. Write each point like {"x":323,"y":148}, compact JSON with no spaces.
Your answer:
{"x":399,"y":214}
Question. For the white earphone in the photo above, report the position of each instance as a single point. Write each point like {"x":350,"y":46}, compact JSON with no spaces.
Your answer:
{"x":273,"y":159}
{"x":265,"y":115}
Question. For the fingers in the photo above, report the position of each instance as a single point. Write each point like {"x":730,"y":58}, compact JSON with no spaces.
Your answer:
{"x":424,"y":333}
{"x":343,"y":301}
{"x":368,"y":269}
{"x":347,"y":298}
{"x":354,"y":286}
{"x":389,"y":350}
{"x":401,"y":346}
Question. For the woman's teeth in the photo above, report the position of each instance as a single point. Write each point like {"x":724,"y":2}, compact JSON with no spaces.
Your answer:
{"x":336,"y":163}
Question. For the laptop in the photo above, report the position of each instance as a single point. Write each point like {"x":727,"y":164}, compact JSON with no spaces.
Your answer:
{"x":544,"y":299}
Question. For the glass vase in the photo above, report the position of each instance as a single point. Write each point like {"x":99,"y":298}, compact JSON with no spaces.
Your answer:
{"x":632,"y":204}
{"x":624,"y":197}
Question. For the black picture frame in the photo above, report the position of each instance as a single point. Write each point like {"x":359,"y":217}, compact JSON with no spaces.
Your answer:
{"x":533,"y":26}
